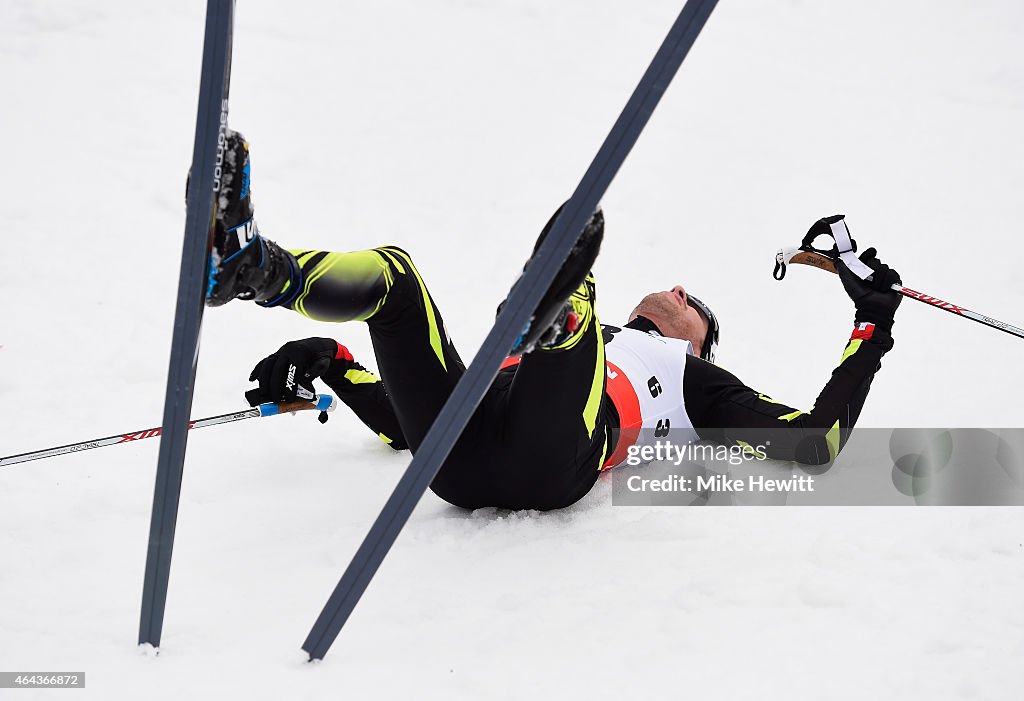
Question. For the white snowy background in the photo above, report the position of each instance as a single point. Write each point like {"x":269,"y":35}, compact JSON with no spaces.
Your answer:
{"x":453,"y":128}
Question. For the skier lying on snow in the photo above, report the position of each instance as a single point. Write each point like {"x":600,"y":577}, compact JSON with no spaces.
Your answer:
{"x":555,"y":417}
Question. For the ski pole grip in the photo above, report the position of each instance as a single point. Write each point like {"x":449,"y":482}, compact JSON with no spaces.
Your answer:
{"x":816,"y":260}
{"x":322,"y":402}
{"x":802,"y":256}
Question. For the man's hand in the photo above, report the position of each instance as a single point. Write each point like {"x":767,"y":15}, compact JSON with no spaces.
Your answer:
{"x":288,"y":374}
{"x":875,"y":300}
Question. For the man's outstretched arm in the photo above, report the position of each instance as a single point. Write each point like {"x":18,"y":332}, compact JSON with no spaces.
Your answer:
{"x":725,"y":410}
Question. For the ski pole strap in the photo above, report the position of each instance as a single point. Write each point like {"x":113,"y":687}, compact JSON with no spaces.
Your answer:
{"x":845,"y":249}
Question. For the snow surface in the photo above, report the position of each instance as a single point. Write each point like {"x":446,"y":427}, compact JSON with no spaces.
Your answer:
{"x":453,"y":128}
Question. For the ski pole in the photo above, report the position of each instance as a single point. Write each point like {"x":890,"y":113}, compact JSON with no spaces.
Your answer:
{"x":320,"y":402}
{"x":825,"y":260}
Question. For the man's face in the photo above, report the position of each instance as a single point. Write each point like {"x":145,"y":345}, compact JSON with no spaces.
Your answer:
{"x":674,"y":317}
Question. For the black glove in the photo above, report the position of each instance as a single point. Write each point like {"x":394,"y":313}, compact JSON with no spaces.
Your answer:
{"x":875,"y":300}
{"x":288,"y":374}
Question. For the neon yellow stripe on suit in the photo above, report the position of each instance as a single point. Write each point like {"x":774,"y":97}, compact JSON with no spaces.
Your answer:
{"x":851,"y":348}
{"x":604,"y":454}
{"x":394,"y":260}
{"x":785,"y":417}
{"x":596,"y":389}
{"x":435,"y":332}
{"x":792,"y":416}
{"x":832,"y":438}
{"x":317,"y":272}
{"x":360,"y":377}
{"x":301,"y":257}
{"x":358,"y":265}
{"x":582,"y":305}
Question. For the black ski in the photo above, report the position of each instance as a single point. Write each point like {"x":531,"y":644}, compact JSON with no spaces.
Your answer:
{"x":211,"y":121}
{"x":518,"y":309}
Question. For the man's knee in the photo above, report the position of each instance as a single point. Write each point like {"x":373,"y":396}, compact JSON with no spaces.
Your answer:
{"x":397,"y":257}
{"x":406,"y":282}
{"x":395,"y":249}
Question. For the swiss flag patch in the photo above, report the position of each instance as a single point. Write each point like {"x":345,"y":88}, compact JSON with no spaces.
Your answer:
{"x":863,"y":331}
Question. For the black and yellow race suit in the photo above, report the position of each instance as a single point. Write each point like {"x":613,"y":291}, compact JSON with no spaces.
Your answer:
{"x":546,"y":426}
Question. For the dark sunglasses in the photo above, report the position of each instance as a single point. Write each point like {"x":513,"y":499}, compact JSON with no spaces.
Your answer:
{"x":707,"y":352}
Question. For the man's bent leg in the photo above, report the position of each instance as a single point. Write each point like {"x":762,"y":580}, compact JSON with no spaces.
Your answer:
{"x":554,"y":419}
{"x":417,"y":361}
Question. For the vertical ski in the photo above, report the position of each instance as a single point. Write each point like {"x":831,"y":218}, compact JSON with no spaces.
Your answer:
{"x":211,"y":120}
{"x":518,"y":309}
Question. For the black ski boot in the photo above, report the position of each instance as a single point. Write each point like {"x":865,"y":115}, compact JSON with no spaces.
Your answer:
{"x":243,"y":264}
{"x":567,"y":307}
